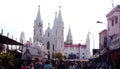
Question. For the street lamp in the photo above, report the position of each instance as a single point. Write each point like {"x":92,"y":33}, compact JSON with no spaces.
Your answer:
{"x":107,"y":28}
{"x":101,"y":22}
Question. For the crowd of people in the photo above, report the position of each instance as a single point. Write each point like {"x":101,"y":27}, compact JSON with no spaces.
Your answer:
{"x":61,"y":64}
{"x":65,"y":64}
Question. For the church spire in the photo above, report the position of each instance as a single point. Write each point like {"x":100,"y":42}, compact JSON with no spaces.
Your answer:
{"x":88,"y":52}
{"x":60,"y":16}
{"x":88,"y":39}
{"x":22,"y":38}
{"x":38,"y":17}
{"x":69,"y":36}
{"x":55,"y":20}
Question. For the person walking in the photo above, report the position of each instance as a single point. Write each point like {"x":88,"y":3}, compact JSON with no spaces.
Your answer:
{"x":61,"y":65}
{"x":47,"y":65}
{"x":1,"y":67}
{"x":72,"y":66}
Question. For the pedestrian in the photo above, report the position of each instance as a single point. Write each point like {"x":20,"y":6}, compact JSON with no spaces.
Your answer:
{"x":61,"y":65}
{"x":39,"y":65}
{"x":1,"y":67}
{"x":47,"y":65}
{"x":72,"y":66}
{"x":32,"y":66}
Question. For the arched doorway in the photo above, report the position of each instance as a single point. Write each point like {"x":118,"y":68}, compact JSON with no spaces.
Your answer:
{"x":48,"y":47}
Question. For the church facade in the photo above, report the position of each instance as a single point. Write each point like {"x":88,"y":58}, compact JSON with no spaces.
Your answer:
{"x":53,"y":39}
{"x":76,"y":51}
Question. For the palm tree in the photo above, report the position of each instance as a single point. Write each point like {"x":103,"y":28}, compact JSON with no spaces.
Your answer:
{"x":7,"y":60}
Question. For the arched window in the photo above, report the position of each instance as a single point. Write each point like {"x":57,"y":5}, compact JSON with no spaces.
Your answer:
{"x":40,"y":32}
{"x":56,"y":32}
{"x":48,"y":34}
{"x":34,"y":32}
{"x":61,"y":32}
{"x":65,"y":53}
{"x":48,"y":55}
{"x":83,"y":53}
{"x":48,"y":45}
{"x":53,"y":47}
{"x":116,"y":20}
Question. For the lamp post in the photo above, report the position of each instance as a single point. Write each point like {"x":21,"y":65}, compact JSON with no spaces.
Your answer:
{"x":101,"y":23}
{"x":105,"y":25}
{"x":106,"y":38}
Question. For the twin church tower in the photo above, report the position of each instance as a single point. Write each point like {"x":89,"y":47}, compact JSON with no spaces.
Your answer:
{"x":53,"y":38}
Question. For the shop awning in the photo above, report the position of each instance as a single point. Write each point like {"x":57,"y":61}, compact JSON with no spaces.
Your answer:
{"x":6,"y":40}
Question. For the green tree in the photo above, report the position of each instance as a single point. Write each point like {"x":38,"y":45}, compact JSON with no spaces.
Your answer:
{"x":2,"y":47}
{"x":7,"y":60}
{"x":58,"y":55}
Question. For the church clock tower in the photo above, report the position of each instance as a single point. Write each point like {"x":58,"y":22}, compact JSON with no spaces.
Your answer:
{"x":38,"y":27}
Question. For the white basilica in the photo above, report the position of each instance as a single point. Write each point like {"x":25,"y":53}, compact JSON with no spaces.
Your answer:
{"x":53,"y":38}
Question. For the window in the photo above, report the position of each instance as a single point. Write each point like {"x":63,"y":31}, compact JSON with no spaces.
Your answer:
{"x":34,"y":32}
{"x":65,"y":53}
{"x":48,"y":34}
{"x":112,"y":22}
{"x":116,"y":20}
{"x":83,"y":57}
{"x":61,"y":32}
{"x":105,"y":41}
{"x":83,"y":53}
{"x":56,"y":32}
{"x":61,"y":43}
{"x":40,"y":24}
{"x":53,"y":47}
{"x":40,"y":32}
{"x":77,"y":53}
{"x":48,"y":55}
{"x":111,"y":37}
{"x":108,"y":26}
{"x":55,"y":43}
{"x":102,"y":40}
{"x":48,"y":45}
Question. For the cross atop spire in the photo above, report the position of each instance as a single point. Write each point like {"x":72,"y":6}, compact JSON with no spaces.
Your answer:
{"x":59,"y":7}
{"x":48,"y":29}
{"x":55,"y":14}
{"x":38,"y":6}
{"x":49,"y":24}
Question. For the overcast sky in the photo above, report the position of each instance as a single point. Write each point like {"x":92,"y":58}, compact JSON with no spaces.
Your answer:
{"x":81,"y":15}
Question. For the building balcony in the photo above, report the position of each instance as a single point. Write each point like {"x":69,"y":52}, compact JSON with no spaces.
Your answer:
{"x":114,"y":42}
{"x":114,"y":46}
{"x":115,"y":39}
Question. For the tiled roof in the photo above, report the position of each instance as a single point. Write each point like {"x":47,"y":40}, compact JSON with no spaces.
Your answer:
{"x":74,"y":45}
